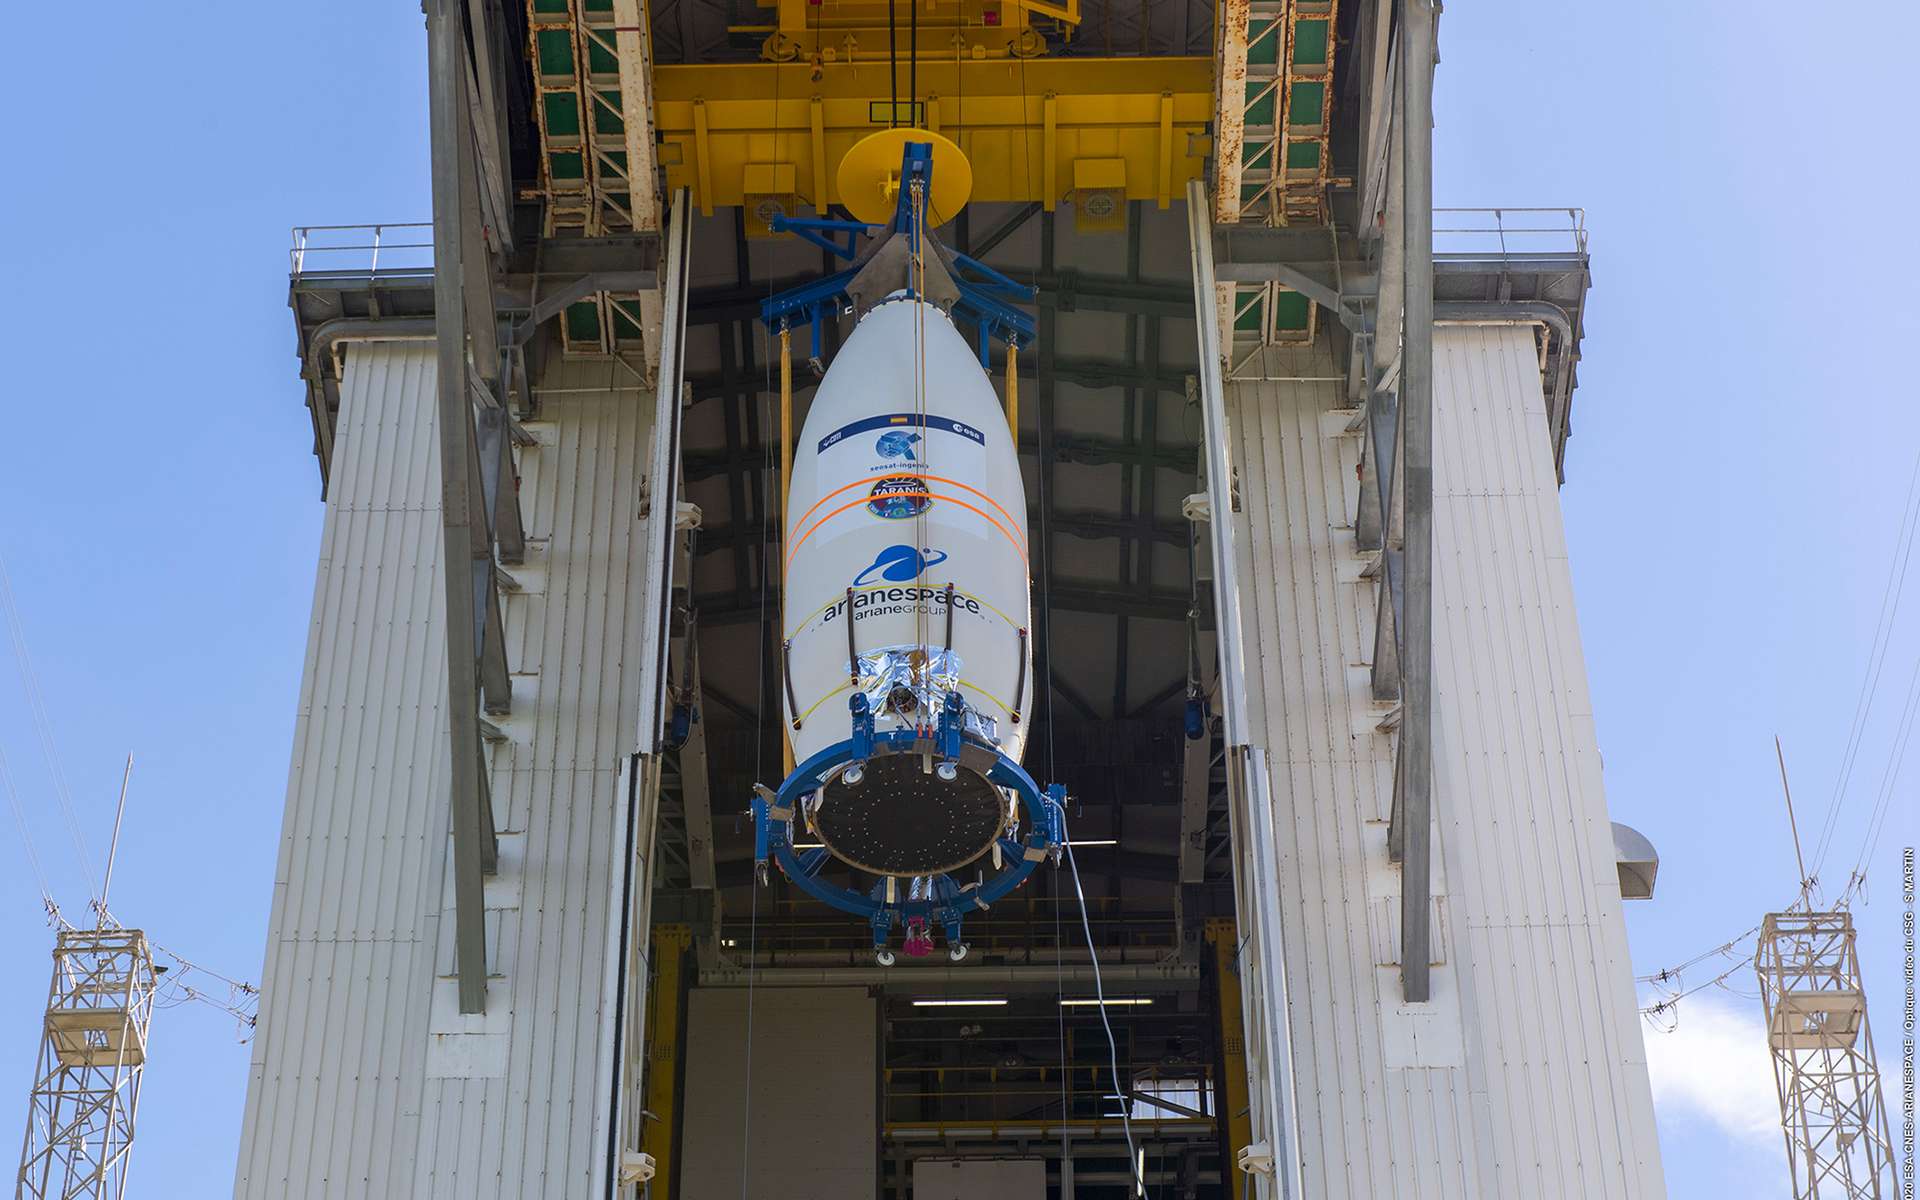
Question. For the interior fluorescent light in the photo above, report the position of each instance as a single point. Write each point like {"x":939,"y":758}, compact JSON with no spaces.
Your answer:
{"x":1094,"y":842}
{"x":809,"y":846}
{"x":1110,"y":1002}
{"x":959,"y":1003}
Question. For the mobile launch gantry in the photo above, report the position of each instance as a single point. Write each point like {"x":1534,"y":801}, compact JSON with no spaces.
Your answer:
{"x":1294,"y":948}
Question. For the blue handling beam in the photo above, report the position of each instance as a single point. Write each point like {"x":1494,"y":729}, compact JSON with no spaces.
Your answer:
{"x":987,"y":298}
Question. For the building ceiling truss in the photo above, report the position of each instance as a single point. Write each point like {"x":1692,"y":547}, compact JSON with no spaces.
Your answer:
{"x":1273,"y":123}
{"x":593,"y":106}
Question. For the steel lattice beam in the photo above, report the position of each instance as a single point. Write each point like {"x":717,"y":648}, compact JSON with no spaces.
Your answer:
{"x":86,"y":1083}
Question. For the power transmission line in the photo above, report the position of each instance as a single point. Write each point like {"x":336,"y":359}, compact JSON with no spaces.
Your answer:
{"x":1890,"y":598}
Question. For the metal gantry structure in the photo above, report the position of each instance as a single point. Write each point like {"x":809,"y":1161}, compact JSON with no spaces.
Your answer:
{"x":1839,"y":1142}
{"x":545,"y":127}
{"x":1376,"y":277}
{"x":93,"y":1052}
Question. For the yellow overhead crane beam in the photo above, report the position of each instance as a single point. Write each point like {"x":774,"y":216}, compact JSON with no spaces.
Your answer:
{"x":666,"y":1014}
{"x":1033,"y":128}
{"x":827,"y":31}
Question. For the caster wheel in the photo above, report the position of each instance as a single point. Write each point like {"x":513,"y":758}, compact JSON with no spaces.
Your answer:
{"x":884,"y":957}
{"x":957,"y":951}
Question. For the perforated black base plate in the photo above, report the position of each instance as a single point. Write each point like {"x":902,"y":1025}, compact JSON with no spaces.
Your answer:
{"x":900,"y":820}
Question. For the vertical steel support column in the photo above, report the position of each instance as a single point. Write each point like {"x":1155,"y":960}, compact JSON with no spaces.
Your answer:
{"x":1274,"y":1106}
{"x":446,"y":69}
{"x":1213,"y":415}
{"x":663,"y":470}
{"x":1416,"y":414}
{"x":630,"y":905}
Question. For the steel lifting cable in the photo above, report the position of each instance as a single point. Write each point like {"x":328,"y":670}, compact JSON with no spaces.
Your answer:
{"x":1043,"y":645}
{"x":893,"y":68}
{"x":1060,"y":988}
{"x":917,"y":283}
{"x":961,"y":137}
{"x":760,"y":701}
{"x":1046,"y":682}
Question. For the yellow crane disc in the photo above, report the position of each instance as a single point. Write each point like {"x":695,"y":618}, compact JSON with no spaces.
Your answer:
{"x":869,"y":176}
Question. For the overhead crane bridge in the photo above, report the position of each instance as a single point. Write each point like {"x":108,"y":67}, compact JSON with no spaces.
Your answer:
{"x":1342,"y":914}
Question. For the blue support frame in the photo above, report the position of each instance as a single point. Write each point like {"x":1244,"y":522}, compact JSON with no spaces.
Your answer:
{"x":986,"y":302}
{"x":949,"y":903}
{"x":985,"y":293}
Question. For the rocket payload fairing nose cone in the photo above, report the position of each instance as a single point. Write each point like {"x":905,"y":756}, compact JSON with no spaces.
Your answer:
{"x":907,"y":580}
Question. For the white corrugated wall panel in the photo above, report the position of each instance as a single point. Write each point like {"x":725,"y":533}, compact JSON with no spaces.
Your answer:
{"x":1522,"y":1077}
{"x":1518,"y":796}
{"x":1368,"y":1122}
{"x":365,"y":1080}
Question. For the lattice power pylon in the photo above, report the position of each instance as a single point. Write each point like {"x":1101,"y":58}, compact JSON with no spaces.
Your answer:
{"x":86,"y":1086}
{"x":1839,"y":1143}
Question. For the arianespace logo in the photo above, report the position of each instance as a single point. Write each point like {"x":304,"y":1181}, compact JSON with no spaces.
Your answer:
{"x":897,"y":443}
{"x":900,"y":564}
{"x":888,"y":588}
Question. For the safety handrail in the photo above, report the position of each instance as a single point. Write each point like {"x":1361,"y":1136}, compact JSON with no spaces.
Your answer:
{"x":393,"y":249}
{"x":1509,"y":234}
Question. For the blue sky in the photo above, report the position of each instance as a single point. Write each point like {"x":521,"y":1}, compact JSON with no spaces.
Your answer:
{"x":1742,"y":446}
{"x":1741,"y":453}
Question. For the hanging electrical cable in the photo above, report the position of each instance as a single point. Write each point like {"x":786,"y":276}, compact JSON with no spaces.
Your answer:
{"x":1100,"y":996}
{"x":242,"y":1001}
{"x":1673,"y":972}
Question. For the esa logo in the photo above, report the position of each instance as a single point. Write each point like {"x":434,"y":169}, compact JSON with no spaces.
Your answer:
{"x":897,"y":443}
{"x":900,"y":564}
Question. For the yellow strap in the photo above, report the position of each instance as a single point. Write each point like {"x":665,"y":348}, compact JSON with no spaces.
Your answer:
{"x":1013,"y":395}
{"x":786,"y":426}
{"x":785,"y":485}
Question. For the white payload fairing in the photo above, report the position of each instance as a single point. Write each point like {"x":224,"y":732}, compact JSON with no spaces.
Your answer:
{"x":907,"y":580}
{"x":906,"y":663}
